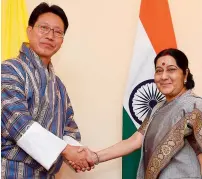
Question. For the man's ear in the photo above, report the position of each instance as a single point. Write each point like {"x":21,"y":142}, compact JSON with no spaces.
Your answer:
{"x":29,"y":30}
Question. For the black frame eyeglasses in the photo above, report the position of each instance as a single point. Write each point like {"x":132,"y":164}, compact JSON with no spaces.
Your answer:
{"x":45,"y":29}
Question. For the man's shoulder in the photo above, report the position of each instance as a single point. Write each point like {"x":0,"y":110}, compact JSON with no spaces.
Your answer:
{"x":13,"y":67}
{"x":10,"y":60}
{"x":13,"y":62}
{"x":60,"y":83}
{"x":59,"y":80}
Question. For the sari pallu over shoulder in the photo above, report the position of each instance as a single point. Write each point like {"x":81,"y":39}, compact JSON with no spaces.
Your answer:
{"x":173,"y":142}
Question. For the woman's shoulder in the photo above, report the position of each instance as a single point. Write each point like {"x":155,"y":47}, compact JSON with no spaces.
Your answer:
{"x":193,"y":101}
{"x":194,"y":98}
{"x":194,"y":95}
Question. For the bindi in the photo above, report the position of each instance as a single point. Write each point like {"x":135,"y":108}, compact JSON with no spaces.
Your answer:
{"x":163,"y":63}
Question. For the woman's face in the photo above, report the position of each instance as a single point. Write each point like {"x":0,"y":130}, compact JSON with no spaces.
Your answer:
{"x":169,"y":78}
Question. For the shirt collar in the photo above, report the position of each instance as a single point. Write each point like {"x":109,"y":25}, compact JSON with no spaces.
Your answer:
{"x":31,"y":55}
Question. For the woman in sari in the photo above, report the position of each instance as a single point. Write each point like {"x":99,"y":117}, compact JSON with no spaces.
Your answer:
{"x":170,"y":137}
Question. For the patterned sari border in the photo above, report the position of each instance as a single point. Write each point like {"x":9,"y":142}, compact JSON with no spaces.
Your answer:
{"x":173,"y":142}
{"x":168,"y":147}
{"x":194,"y":119}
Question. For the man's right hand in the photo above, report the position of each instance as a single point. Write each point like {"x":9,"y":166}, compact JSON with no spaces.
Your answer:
{"x":81,"y":159}
{"x":91,"y":156}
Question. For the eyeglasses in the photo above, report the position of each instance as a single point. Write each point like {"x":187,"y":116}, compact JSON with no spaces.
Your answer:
{"x":45,"y":29}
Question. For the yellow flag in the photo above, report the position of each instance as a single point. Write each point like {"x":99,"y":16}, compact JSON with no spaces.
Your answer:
{"x":14,"y":24}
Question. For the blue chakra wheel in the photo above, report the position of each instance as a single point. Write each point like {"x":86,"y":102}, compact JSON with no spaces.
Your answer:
{"x":143,"y":99}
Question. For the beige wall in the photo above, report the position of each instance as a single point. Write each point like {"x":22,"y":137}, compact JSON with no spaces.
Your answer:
{"x":187,"y":20}
{"x":94,"y":61}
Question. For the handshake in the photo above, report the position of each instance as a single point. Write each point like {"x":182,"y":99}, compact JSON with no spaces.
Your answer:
{"x":80,"y":158}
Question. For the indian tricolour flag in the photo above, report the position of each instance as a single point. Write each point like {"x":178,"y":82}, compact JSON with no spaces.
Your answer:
{"x":155,"y":33}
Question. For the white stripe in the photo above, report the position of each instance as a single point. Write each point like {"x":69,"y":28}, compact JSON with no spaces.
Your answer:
{"x":9,"y":101}
{"x":35,"y":87}
{"x":11,"y":77}
{"x":41,"y":145}
{"x":12,"y":65}
{"x":11,"y":87}
{"x":142,"y":65}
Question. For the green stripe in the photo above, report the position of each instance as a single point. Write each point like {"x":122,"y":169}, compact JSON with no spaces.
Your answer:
{"x":130,"y":162}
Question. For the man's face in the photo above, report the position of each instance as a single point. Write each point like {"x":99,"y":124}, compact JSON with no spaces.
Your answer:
{"x":46,"y":37}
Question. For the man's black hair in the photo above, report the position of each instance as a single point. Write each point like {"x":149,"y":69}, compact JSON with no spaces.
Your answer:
{"x":45,"y":8}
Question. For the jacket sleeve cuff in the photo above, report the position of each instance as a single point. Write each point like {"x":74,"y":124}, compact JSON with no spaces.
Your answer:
{"x":41,"y":145}
{"x":69,"y":140}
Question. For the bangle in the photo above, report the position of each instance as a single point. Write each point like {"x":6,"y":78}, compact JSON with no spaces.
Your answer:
{"x":98,"y":158}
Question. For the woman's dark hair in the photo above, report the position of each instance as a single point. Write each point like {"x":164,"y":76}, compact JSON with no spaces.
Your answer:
{"x":45,"y":8}
{"x":181,"y":61}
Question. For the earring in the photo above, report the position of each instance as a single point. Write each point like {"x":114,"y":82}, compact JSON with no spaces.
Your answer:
{"x":185,"y":82}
